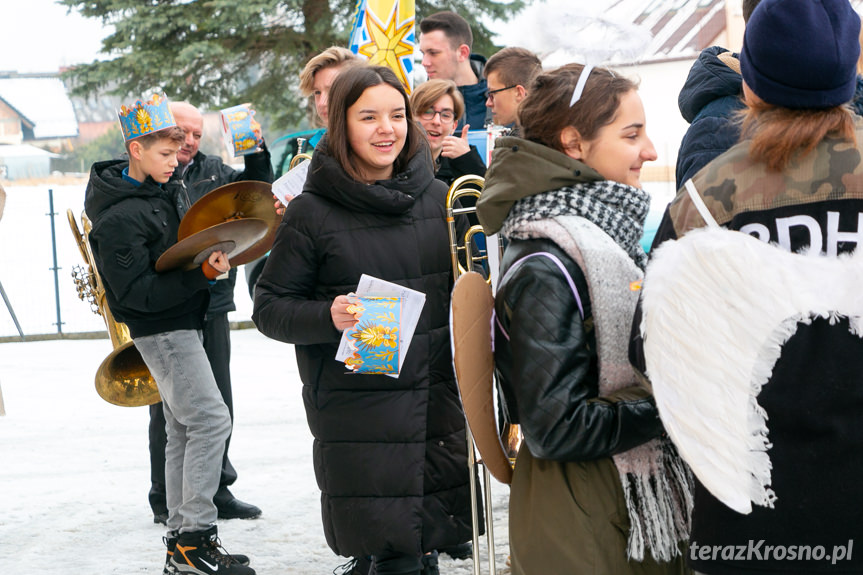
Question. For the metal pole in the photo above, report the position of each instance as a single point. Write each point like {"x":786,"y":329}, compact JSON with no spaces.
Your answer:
{"x":51,"y":214}
{"x":11,"y":311}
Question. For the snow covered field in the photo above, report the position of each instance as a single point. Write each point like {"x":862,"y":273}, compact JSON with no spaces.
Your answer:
{"x":74,"y":470}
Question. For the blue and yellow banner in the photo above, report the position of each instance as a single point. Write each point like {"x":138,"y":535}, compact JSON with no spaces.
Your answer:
{"x":383,"y":32}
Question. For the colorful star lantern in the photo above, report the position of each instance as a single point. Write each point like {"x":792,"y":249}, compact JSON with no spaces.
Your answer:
{"x":383,"y":32}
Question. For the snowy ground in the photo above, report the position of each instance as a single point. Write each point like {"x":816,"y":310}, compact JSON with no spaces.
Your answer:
{"x":75,"y":470}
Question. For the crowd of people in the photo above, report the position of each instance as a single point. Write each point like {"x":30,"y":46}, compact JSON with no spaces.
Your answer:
{"x":588,"y":343}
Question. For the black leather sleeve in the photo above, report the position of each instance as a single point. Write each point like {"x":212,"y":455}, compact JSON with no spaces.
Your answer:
{"x":552,"y":370}
{"x":664,"y":232}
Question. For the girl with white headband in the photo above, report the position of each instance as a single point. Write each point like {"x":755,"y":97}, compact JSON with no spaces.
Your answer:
{"x":596,"y":488}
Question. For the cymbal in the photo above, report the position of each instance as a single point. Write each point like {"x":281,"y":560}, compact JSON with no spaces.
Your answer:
{"x":234,"y":201}
{"x":234,"y":237}
{"x":473,"y":359}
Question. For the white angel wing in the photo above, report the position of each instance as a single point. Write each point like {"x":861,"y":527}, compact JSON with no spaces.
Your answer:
{"x":562,"y":31}
{"x":718,"y":306}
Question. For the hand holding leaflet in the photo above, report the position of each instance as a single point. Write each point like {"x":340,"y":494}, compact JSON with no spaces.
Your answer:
{"x":387,"y":316}
{"x":291,"y":183}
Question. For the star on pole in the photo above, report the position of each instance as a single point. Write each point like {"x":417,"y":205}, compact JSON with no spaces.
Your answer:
{"x":388,"y":45}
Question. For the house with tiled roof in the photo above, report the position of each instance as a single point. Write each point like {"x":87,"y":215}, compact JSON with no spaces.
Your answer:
{"x":15,"y":127}
{"x":43,"y":104}
{"x":653,"y":41}
{"x":36,"y":121}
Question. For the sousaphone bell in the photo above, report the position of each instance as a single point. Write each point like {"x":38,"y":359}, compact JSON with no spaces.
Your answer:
{"x":122,"y":378}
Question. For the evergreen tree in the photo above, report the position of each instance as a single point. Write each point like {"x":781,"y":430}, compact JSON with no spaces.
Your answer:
{"x":217,"y":53}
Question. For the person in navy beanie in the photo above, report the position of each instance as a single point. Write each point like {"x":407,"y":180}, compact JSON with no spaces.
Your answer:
{"x":802,"y":53}
{"x":795,"y":183}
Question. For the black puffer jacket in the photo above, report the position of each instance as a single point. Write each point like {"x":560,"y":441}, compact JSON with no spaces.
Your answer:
{"x":205,"y":174}
{"x":390,"y":454}
{"x":712,"y":94}
{"x":132,"y":227}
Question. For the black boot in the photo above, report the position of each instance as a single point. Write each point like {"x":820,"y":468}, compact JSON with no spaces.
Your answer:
{"x":201,"y":553}
{"x":230,"y":507}
{"x":460,"y":551}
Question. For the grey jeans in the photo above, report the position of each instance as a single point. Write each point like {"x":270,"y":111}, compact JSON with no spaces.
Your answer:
{"x":197,"y":424}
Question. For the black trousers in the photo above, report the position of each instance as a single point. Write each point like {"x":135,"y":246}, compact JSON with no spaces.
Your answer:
{"x":217,"y":344}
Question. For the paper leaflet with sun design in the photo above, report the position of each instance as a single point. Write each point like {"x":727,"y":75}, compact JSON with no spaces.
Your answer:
{"x":238,"y":130}
{"x":144,"y":118}
{"x":374,"y":339}
{"x":383,"y":32}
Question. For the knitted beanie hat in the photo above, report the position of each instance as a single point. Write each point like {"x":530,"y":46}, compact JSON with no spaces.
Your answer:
{"x":802,"y":53}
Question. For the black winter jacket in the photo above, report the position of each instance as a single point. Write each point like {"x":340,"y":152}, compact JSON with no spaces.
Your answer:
{"x":132,"y":227}
{"x":713,"y":92}
{"x":390,"y":454}
{"x":205,"y":174}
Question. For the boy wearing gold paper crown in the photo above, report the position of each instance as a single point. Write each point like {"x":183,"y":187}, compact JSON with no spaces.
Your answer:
{"x":135,"y":206}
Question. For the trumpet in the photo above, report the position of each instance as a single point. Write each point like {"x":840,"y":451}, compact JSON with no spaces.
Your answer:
{"x":123,"y":378}
{"x":462,"y":249}
{"x":301,"y":155}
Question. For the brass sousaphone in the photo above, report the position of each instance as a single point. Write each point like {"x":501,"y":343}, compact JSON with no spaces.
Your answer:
{"x":238,"y":219}
{"x":122,"y":378}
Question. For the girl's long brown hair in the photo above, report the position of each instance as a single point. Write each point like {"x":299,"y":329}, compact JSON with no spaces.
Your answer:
{"x":778,"y":135}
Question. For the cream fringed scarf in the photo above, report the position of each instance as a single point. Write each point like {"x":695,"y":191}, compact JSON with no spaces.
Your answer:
{"x":656,"y":483}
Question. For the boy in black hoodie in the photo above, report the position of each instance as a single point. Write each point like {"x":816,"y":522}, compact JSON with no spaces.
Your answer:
{"x":135,"y":207}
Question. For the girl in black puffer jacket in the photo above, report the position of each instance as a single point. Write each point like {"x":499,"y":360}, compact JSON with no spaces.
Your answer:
{"x":390,"y":454}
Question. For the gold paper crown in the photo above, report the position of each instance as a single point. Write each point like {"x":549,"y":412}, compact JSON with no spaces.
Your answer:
{"x":146,"y":117}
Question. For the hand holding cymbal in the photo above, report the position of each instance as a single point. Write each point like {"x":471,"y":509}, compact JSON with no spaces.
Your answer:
{"x":233,"y":238}
{"x":215,"y":265}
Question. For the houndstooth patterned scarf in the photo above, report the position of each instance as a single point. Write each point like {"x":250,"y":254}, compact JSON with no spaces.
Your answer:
{"x":617,"y":209}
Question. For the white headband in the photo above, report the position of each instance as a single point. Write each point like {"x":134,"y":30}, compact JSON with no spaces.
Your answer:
{"x":579,"y":86}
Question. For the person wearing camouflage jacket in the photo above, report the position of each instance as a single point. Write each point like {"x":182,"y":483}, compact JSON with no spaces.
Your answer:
{"x":794,"y":182}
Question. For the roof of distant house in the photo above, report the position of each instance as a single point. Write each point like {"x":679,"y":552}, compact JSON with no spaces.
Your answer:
{"x":41,"y":99}
{"x":27,"y":121}
{"x":680,"y":28}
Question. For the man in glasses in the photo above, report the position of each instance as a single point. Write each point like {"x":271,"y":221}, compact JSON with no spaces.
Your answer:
{"x":508,"y":74}
{"x":445,"y":43}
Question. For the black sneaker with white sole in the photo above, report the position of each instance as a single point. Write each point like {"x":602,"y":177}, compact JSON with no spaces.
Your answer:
{"x":201,"y":553}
